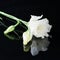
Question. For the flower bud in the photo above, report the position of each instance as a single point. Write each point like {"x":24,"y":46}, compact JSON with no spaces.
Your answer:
{"x":9,"y":29}
{"x":27,"y":36}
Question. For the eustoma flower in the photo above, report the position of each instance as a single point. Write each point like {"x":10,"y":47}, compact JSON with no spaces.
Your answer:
{"x":38,"y":27}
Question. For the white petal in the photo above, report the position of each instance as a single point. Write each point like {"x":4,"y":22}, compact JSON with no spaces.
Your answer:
{"x":33,"y":17}
{"x":44,"y":20}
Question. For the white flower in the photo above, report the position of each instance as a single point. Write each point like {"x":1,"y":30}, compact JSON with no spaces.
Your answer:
{"x":27,"y":36}
{"x":36,"y":27}
{"x":39,"y":28}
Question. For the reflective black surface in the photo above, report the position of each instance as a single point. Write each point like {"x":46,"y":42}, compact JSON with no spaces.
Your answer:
{"x":23,"y":9}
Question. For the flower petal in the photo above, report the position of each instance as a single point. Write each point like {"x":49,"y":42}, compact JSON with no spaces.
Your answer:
{"x":33,"y":17}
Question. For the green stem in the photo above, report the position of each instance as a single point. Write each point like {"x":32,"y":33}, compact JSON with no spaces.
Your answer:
{"x":10,"y":37}
{"x":14,"y":18}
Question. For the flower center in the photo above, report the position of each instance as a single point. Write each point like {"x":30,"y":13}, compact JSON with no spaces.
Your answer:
{"x":40,"y":28}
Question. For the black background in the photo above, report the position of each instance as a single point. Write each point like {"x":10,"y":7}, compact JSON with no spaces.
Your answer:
{"x":23,"y":9}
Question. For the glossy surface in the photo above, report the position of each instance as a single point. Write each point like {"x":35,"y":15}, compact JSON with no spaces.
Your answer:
{"x":23,"y":9}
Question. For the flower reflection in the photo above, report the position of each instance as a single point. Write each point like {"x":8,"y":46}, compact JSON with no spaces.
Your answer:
{"x":39,"y":44}
{"x":36,"y":45}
